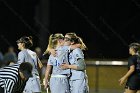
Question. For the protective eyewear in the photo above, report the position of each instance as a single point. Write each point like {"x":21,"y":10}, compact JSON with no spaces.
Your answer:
{"x":67,"y":39}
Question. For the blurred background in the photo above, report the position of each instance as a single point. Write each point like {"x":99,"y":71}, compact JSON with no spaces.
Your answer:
{"x":106,"y":26}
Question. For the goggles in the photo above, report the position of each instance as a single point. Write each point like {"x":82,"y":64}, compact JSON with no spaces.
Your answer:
{"x":67,"y":39}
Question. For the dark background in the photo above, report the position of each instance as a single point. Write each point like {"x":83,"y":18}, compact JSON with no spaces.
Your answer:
{"x":106,"y":26}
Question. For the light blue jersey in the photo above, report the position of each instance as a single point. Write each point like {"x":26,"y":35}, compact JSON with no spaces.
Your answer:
{"x":27,"y":55}
{"x":73,"y":57}
{"x":61,"y":58}
{"x":78,"y":80}
{"x":59,"y":82}
{"x":33,"y":84}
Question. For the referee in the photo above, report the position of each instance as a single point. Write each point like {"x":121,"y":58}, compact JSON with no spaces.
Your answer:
{"x":13,"y":78}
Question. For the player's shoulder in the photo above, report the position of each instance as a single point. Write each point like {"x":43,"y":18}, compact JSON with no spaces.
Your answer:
{"x":64,"y":48}
{"x":77,"y":50}
{"x":134,"y":57}
{"x":21,"y":53}
{"x":31,"y":52}
{"x":51,"y":57}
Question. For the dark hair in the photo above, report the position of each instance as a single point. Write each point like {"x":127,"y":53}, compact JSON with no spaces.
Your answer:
{"x":77,"y":40}
{"x":27,"y":40}
{"x":26,"y":66}
{"x":26,"y":69}
{"x":73,"y":38}
{"x":135,"y":46}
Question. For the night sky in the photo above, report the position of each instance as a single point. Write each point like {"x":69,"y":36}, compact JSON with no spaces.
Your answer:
{"x":106,"y":26}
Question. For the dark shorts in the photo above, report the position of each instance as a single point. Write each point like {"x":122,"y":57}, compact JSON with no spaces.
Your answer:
{"x":133,"y":82}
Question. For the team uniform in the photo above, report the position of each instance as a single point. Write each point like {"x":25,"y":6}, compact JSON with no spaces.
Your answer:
{"x":59,"y":78}
{"x":33,"y":84}
{"x":78,"y":79}
{"x":133,"y":81}
{"x":10,"y":81}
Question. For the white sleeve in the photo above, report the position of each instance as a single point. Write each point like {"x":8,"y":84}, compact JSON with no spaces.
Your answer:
{"x":78,"y":53}
{"x":21,"y":57}
{"x":50,"y":60}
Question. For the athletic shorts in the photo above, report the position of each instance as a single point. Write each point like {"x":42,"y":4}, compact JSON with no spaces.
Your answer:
{"x":133,"y":82}
{"x":79,"y":86}
{"x":59,"y":84}
{"x":32,"y":85}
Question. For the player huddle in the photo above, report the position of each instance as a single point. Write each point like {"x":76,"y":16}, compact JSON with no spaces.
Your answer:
{"x":66,"y":64}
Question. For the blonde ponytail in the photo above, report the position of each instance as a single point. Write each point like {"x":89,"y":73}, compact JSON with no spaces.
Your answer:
{"x":83,"y":46}
{"x":50,"y":44}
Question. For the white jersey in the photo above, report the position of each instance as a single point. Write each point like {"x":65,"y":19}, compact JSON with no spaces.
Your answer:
{"x":27,"y":55}
{"x":61,"y":58}
{"x":73,"y":57}
{"x":33,"y":84}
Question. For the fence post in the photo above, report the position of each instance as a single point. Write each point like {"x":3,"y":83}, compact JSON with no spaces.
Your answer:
{"x":97,"y":77}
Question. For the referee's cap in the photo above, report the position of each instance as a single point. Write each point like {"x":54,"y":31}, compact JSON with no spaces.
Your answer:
{"x":26,"y":69}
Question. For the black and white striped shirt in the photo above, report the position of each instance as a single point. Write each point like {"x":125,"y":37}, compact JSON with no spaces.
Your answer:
{"x":10,"y":79}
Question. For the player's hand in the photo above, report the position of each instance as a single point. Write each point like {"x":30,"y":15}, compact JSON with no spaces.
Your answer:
{"x":64,"y":66}
{"x":45,"y":83}
{"x":122,"y":80}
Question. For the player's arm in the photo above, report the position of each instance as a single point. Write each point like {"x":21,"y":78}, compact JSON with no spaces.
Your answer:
{"x":40,"y":65}
{"x":79,"y":66}
{"x":47,"y":74}
{"x":48,"y":71}
{"x":125,"y":77}
{"x":21,"y":57}
{"x":80,"y":63}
